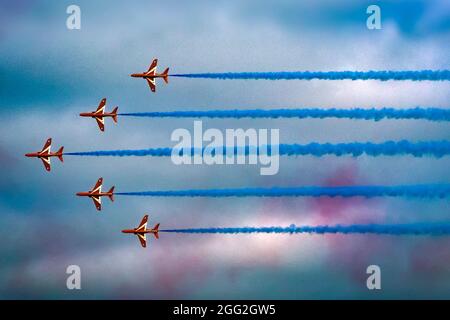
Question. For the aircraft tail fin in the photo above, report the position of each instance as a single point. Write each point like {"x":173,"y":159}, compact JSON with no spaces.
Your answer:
{"x":114,"y":114}
{"x":111,"y":193}
{"x":165,"y":75}
{"x":156,"y":229}
{"x":60,"y":154}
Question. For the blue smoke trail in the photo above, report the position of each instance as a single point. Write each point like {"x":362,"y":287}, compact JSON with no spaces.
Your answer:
{"x":431,"y":114}
{"x":420,"y":75}
{"x":433,"y":229}
{"x":420,"y":191}
{"x":389,"y":148}
{"x":153,"y":152}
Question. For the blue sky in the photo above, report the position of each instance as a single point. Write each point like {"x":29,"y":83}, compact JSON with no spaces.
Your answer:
{"x":50,"y":74}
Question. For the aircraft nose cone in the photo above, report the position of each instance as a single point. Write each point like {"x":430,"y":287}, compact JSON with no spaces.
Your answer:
{"x":27,"y":154}
{"x":78,"y":193}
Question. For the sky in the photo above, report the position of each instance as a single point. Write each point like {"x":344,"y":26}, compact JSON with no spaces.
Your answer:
{"x":49,"y":74}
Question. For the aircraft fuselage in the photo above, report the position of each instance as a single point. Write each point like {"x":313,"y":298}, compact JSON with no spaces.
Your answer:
{"x":94,"y":194}
{"x":42,"y":155}
{"x":150,"y":76}
{"x":133,"y":231}
{"x":96,"y":115}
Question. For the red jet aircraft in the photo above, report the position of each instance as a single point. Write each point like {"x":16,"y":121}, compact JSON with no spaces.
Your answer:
{"x":96,"y":193}
{"x":45,"y":154}
{"x":142,"y":230}
{"x":100,"y":114}
{"x":151,"y":75}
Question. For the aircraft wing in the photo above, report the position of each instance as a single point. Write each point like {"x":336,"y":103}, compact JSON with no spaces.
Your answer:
{"x":47,"y":146}
{"x":101,"y":107}
{"x":152,"y":68}
{"x":143,"y":224}
{"x":101,"y":123}
{"x":46,"y":162}
{"x":98,"y":186}
{"x":97,"y":202}
{"x":142,"y":239}
{"x":151,"y":84}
